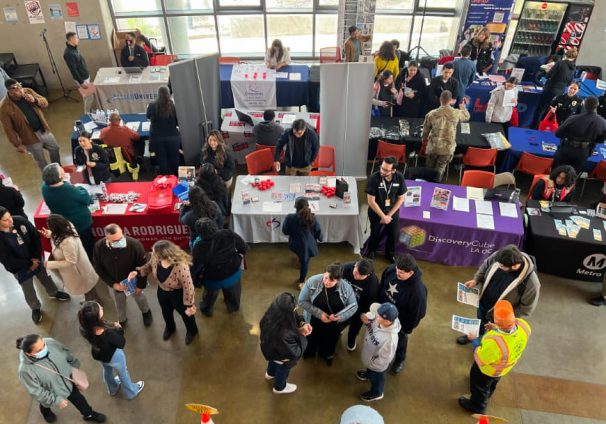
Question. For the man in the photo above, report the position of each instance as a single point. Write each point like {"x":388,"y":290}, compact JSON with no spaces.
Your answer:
{"x":302,"y":147}
{"x":353,"y":45}
{"x":506,"y":274}
{"x":118,"y":135}
{"x":21,"y":255}
{"x":495,"y":354}
{"x":401,"y":284}
{"x":385,"y":191}
{"x":267,"y":132}
{"x":365,"y":283}
{"x":440,"y":131}
{"x":442,"y":83}
{"x":133,"y":55}
{"x":77,"y":66}
{"x":580,"y":133}
{"x":24,"y":123}
{"x":114,"y":257}
{"x":464,"y":71}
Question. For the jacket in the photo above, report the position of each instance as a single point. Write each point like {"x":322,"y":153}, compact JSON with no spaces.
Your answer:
{"x":366,"y":291}
{"x":495,"y":111}
{"x":409,"y":296}
{"x":382,"y":65}
{"x":350,"y":48}
{"x":226,"y":171}
{"x":71,"y":202}
{"x":380,"y":345}
{"x":312,"y":146}
{"x":440,"y":129}
{"x":114,"y":265}
{"x":499,"y":351}
{"x":602,"y":106}
{"x":71,"y":261}
{"x":98,"y":155}
{"x":541,"y":191}
{"x":45,"y":387}
{"x":313,"y":287}
{"x":560,"y":75}
{"x":162,"y":127}
{"x":12,"y":200}
{"x":13,"y":260}
{"x":218,"y":257}
{"x":302,"y":240}
{"x":267,"y":133}
{"x":286,"y":347}
{"x":189,"y":218}
{"x":179,"y":278}
{"x":406,"y":107}
{"x":464,"y":73}
{"x":16,"y":126}
{"x":566,"y":106}
{"x":435,"y":89}
{"x":116,"y":135}
{"x":140,"y":57}
{"x":75,"y":63}
{"x":586,"y":127}
{"x":481,"y":54}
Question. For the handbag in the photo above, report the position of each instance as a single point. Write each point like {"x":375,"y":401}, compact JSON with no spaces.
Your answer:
{"x":79,"y":377}
{"x":549,"y":123}
{"x":515,"y":118}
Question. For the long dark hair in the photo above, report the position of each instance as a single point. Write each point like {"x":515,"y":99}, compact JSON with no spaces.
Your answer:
{"x":211,"y":183}
{"x":202,"y":206}
{"x":88,"y":317}
{"x":277,"y":50}
{"x":60,"y":228}
{"x":304,"y":212}
{"x":280,"y":317}
{"x":220,"y":154}
{"x":386,"y":51}
{"x":165,"y":108}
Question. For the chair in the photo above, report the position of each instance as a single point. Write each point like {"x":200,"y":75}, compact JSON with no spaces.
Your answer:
{"x":164,"y":59}
{"x":325,"y":159}
{"x":479,"y":158}
{"x":229,"y":60}
{"x":385,"y":149}
{"x":260,"y":162}
{"x":533,"y":165}
{"x":480,"y":179}
{"x":598,"y":173}
{"x":27,"y":75}
{"x":330,"y":54}
{"x":445,"y":59}
{"x":535,"y":180}
{"x":421,"y":153}
{"x":504,"y":178}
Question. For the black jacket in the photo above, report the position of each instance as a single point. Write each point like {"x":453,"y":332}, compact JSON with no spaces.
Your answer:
{"x":229,"y":164}
{"x":312,"y":146}
{"x":218,"y":257}
{"x":14,"y":259}
{"x":76,"y":63}
{"x":410,"y":297}
{"x":114,"y":265}
{"x":566,"y":106}
{"x":585,"y":127}
{"x":366,"y":291}
{"x":98,"y":155}
{"x":141,"y":59}
{"x":411,"y":108}
{"x":280,"y":347}
{"x":560,"y":76}
{"x":105,"y":345}
{"x":12,"y":200}
{"x":436,"y":87}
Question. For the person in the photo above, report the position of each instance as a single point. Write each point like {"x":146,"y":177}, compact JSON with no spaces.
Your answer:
{"x":107,"y":346}
{"x":496,"y":110}
{"x":440,"y":131}
{"x":267,"y":132}
{"x":602,"y":106}
{"x":402,"y":285}
{"x":358,"y":414}
{"x":353,"y":45}
{"x":45,"y":371}
{"x":567,"y":104}
{"x":495,"y":355}
{"x":385,"y":92}
{"x":324,"y":297}
{"x":215,"y":151}
{"x":69,"y":258}
{"x":559,"y":76}
{"x":558,"y":186}
{"x":69,"y":201}
{"x":146,"y":43}
{"x":277,"y":56}
{"x":365,"y":284}
{"x":118,"y":135}
{"x":301,"y":148}
{"x":386,"y":60}
{"x":580,"y":134}
{"x":401,"y":55}
{"x":464,"y":71}
{"x":303,"y":231}
{"x":282,"y":334}
{"x":213,"y":186}
{"x":199,"y":206}
{"x":442,"y":83}
{"x":506,"y":274}
{"x":93,"y":158}
{"x":114,"y":257}
{"x":481,"y":51}
{"x":380,"y":343}
{"x":132,"y":54}
{"x":25,"y":125}
{"x":21,"y":255}
{"x":12,"y":199}
{"x":412,"y":92}
{"x":164,"y":137}
{"x":77,"y":66}
{"x":531,"y":65}
{"x":385,"y":191}
{"x":217,"y":256}
{"x":169,"y":266}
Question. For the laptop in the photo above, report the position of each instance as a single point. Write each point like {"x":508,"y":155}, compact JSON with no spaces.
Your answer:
{"x":562,"y":207}
{"x":133,"y":69}
{"x":244,"y":117}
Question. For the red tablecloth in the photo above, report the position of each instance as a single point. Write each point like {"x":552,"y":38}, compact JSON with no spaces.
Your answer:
{"x":148,"y":226}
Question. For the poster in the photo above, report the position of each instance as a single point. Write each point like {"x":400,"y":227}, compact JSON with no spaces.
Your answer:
{"x":253,"y":87}
{"x":72,"y":9}
{"x":82,"y":32}
{"x":10,"y":15}
{"x":94,"y":32}
{"x":70,"y":26}
{"x":55,"y":11}
{"x":34,"y":11}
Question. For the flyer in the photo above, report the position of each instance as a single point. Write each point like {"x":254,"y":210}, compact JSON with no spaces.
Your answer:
{"x":466,"y":325}
{"x":468,"y":295}
{"x":34,"y":11}
{"x":93,"y":32}
{"x":72,"y":9}
{"x":412,"y":198}
{"x":55,"y":11}
{"x":440,"y":198}
{"x":10,"y":15}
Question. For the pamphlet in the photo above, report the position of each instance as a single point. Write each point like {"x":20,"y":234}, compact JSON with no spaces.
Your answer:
{"x":138,"y":207}
{"x":295,"y":188}
{"x":130,"y":286}
{"x":115,"y":208}
{"x":186,"y":173}
{"x":465,"y":128}
{"x":145,"y":126}
{"x":440,"y":198}
{"x":133,"y":125}
{"x":560,"y":227}
{"x":485,"y":221}
{"x":468,"y":295}
{"x":276,"y":196}
{"x":483,"y":206}
{"x":294,"y":76}
{"x":509,"y":210}
{"x":548,"y":147}
{"x":581,"y":222}
{"x":475,"y":193}
{"x":597,"y":234}
{"x":466,"y":325}
{"x":460,"y":204}
{"x":412,"y":198}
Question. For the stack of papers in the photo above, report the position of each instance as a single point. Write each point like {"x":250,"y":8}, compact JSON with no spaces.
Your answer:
{"x":460,"y":204}
{"x":115,"y":208}
{"x":509,"y":210}
{"x":483,"y":206}
{"x":145,"y":126}
{"x":90,"y":126}
{"x":485,"y":221}
{"x":475,"y":193}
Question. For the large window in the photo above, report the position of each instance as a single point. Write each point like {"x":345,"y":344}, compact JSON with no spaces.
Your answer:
{"x":241,"y":35}
{"x":295,"y":32}
{"x":390,"y":27}
{"x":193,"y":35}
{"x":438,"y":33}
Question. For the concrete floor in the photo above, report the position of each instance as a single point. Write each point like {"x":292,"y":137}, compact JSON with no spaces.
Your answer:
{"x":560,"y":379}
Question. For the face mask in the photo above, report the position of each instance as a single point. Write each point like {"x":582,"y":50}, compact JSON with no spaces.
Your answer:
{"x":120,"y":244}
{"x":42,"y":353}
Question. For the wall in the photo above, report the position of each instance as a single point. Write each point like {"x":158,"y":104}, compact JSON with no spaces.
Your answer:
{"x":593,"y":45}
{"x":23,"y":39}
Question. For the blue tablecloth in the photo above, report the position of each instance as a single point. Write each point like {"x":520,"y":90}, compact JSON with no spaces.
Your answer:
{"x":288,"y":92}
{"x":588,"y":88}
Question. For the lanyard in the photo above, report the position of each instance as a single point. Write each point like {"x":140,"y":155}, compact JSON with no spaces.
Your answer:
{"x":385,"y":187}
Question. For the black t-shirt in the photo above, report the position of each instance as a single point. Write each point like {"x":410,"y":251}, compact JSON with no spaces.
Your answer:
{"x":366,"y":291}
{"x":566,"y":106}
{"x":30,"y":114}
{"x":329,"y":300}
{"x":105,"y":345}
{"x":498,"y":283}
{"x":163,"y":273}
{"x":383,"y":190}
{"x":298,"y":156}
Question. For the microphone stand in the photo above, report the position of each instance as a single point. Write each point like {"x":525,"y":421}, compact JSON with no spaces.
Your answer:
{"x":418,"y":47}
{"x":66,"y":93}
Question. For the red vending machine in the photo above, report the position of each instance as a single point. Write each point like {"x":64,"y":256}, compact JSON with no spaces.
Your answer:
{"x":574,"y":26}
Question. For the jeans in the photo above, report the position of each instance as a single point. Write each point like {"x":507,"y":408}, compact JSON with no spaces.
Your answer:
{"x":171,"y":301}
{"x":231,"y":296}
{"x":304,"y":264}
{"x":47,"y":142}
{"x":118,"y":364}
{"x":279,"y":371}
{"x":376,"y":230}
{"x":87,"y":100}
{"x":29,"y":291}
{"x":377,"y":381}
{"x":481,"y":387}
{"x":401,"y":348}
{"x":166,"y":150}
{"x":120,"y":299}
{"x":291,"y":170}
{"x":78,"y":400}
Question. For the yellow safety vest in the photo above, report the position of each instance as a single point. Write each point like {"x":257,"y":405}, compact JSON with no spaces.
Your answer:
{"x":499,"y":352}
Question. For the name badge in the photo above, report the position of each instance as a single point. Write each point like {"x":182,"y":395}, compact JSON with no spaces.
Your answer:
{"x":387,"y":203}
{"x":396,"y":185}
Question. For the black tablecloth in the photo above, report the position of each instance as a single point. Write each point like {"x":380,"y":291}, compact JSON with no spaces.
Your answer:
{"x":582,"y":258}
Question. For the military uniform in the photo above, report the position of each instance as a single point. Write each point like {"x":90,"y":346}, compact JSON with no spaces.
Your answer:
{"x":566,"y":106}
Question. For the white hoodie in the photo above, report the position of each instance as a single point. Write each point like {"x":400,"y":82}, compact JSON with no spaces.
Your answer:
{"x":380,"y":345}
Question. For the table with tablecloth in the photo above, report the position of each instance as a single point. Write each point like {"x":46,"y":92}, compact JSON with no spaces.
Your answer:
{"x":148,"y":226}
{"x":588,"y":88}
{"x":289,"y":92}
{"x":129,"y":93}
{"x":452,"y":237}
{"x":254,"y":225}
{"x":581,"y":258}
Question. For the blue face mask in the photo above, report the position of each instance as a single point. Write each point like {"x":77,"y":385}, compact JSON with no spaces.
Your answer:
{"x":42,"y":353}
{"x":120,"y":244}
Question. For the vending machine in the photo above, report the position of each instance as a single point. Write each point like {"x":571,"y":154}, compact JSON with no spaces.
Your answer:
{"x":575,"y":24}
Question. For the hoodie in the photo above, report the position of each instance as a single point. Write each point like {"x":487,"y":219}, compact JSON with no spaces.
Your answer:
{"x":409,"y":296}
{"x":267,"y":133}
{"x":560,"y":76}
{"x":380,"y":345}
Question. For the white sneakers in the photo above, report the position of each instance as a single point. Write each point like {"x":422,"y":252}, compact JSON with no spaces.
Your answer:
{"x":289,"y":388}
{"x":268,"y":377}
{"x":141,"y":384}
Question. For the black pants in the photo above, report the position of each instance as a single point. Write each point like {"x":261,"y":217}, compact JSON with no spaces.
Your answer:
{"x":354,"y":328}
{"x":573,"y":156}
{"x":377,"y":230}
{"x":171,"y":301}
{"x":88,"y":241}
{"x":481,"y":387}
{"x":231,"y":296}
{"x":323,"y":340}
{"x":78,"y":400}
{"x":401,"y":348}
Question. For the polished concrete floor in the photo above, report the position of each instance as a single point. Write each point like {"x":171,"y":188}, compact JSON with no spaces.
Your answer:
{"x":561,"y":379}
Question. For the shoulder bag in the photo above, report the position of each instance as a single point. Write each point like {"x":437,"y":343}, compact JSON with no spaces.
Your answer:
{"x":79,"y":377}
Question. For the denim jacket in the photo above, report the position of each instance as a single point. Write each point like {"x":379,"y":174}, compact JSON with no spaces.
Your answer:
{"x":314,"y":286}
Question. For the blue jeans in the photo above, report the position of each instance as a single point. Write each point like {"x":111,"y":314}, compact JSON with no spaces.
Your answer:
{"x":377,"y":381}
{"x":304,"y":269}
{"x":279,"y":372}
{"x":118,"y":363}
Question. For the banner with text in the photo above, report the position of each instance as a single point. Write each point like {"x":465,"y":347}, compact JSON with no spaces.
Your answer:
{"x":253,"y":87}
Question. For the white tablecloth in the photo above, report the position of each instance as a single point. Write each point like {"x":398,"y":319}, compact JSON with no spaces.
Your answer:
{"x":256,"y":226}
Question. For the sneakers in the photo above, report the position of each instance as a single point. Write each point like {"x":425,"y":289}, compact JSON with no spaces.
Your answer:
{"x":465,"y":403}
{"x":351,"y":346}
{"x":48,"y":415}
{"x":371,"y":397}
{"x":268,"y":377}
{"x":598,"y":301}
{"x":147,"y":318}
{"x":62,"y":296}
{"x":361,"y":375}
{"x":189,"y":337}
{"x":463,"y":340}
{"x":289,"y":388}
{"x":167,"y":333}
{"x":95,"y":417}
{"x":119,"y":383}
{"x":397,"y":367}
{"x":140,"y":385}
{"x":36,"y":315}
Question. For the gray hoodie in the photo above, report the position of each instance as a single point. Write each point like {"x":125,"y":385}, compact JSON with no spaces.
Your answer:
{"x":380,"y":345}
{"x":267,"y":133}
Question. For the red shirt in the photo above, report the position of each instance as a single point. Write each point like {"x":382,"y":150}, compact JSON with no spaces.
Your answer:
{"x":116,"y":135}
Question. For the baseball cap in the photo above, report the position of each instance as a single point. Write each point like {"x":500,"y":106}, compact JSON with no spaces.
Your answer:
{"x":386,"y":310}
{"x":503,"y":315}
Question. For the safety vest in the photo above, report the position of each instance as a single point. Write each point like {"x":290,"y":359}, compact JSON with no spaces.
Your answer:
{"x":499,"y":351}
{"x":547,"y":193}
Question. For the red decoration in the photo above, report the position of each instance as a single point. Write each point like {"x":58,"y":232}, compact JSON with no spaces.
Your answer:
{"x":328,"y":191}
{"x":263,"y":185}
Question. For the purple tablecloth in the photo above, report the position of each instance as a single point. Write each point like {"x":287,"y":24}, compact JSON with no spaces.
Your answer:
{"x":452,"y":237}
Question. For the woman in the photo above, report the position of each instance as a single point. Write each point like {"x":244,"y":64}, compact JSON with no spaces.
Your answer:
{"x":481,"y":51}
{"x":282,"y":335}
{"x":169,"y":266}
{"x":93,"y":158}
{"x":567,"y":104}
{"x":70,"y":259}
{"x":45,"y":370}
{"x":412,"y":91}
{"x":277,"y":56}
{"x":303,"y":230}
{"x":215,"y":151}
{"x":107,"y":344}
{"x":164,"y":137}
{"x":386,"y":60}
{"x":323,"y":297}
{"x":385,"y":92}
{"x":557,"y":187}
{"x":218,"y":265}
{"x":199,"y":206}
{"x":213,"y":186}
{"x":497,"y":110}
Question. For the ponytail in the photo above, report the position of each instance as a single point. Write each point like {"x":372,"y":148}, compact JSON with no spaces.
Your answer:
{"x":305,"y":216}
{"x":25,"y":343}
